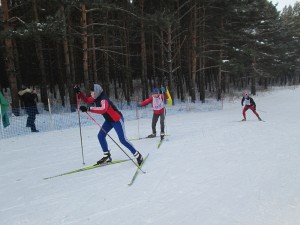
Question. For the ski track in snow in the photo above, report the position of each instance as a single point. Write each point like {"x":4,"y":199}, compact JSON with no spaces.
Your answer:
{"x":211,"y":170}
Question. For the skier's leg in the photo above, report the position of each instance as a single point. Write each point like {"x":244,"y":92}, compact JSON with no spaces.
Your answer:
{"x":33,"y":127}
{"x":255,"y":113}
{"x":28,"y":117}
{"x":106,"y":127}
{"x":120,"y":129}
{"x":244,"y":111}
{"x":31,"y":119}
{"x":154,"y":122}
{"x":162,"y":123}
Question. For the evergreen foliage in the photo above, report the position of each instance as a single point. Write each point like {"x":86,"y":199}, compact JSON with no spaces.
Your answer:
{"x":195,"y":47}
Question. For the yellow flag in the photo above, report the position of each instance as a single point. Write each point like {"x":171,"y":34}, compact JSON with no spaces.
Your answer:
{"x":169,"y":98}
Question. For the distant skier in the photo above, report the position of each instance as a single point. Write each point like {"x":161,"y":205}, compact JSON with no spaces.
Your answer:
{"x":113,"y":119}
{"x":248,"y":103}
{"x":158,"y":106}
{"x":29,"y":98}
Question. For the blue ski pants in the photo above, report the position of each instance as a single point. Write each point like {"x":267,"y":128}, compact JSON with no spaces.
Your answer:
{"x":119,"y":127}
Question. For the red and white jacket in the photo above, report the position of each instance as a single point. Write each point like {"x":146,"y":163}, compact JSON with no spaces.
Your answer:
{"x":157,"y":104}
{"x":104,"y":106}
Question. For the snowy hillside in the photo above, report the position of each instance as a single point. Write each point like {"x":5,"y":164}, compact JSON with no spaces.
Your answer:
{"x":211,"y":170}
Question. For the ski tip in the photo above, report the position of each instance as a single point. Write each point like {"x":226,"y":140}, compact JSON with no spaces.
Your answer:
{"x":140,"y":166}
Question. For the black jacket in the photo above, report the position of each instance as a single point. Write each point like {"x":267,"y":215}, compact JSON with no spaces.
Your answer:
{"x":248,"y":101}
{"x":29,"y":100}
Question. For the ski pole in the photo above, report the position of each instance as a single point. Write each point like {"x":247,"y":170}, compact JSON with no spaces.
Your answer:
{"x":114,"y":141}
{"x":80,"y":129}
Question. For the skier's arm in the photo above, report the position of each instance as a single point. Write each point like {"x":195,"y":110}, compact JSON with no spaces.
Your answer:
{"x":100,"y":110}
{"x":242,"y":102}
{"x":146,"y":102}
{"x":252,"y":102}
{"x":86,"y":99}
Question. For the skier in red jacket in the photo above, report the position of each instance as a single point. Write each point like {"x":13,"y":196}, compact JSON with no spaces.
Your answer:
{"x":248,"y":103}
{"x":113,"y":119}
{"x":157,"y":101}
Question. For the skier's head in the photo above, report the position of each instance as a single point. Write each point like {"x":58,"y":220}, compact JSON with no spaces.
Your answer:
{"x":96,"y":90}
{"x":155,"y":91}
{"x":246,"y":94}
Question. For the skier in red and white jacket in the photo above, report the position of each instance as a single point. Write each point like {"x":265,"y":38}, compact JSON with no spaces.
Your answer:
{"x":158,"y":105}
{"x":248,"y":103}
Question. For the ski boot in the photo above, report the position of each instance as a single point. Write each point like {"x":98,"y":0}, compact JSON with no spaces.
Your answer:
{"x":139,"y":158}
{"x":151,"y":135}
{"x":162,"y":135}
{"x":106,"y":159}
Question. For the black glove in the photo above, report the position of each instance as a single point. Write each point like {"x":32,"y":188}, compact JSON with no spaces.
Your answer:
{"x":76,"y":89}
{"x":84,"y":108}
{"x":255,"y":107}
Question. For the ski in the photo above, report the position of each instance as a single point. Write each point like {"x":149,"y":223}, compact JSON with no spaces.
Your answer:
{"x":137,"y":171}
{"x":88,"y":168}
{"x":136,"y":139}
{"x":249,"y":120}
{"x":160,"y":142}
{"x":162,"y":138}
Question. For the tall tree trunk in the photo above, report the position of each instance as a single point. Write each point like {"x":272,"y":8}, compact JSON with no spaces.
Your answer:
{"x":153,"y":59}
{"x":194,"y":53}
{"x":106,"y":79}
{"x":202,"y":61}
{"x":85,"y":48}
{"x":253,"y":77}
{"x":51,"y":76}
{"x":219,"y":76}
{"x":69,"y":78}
{"x":180,"y":76}
{"x":93,"y":49}
{"x":162,"y":53}
{"x":170,"y":63}
{"x":72,"y":60}
{"x":253,"y":85}
{"x":127,"y":76}
{"x":40,"y":57}
{"x":9,"y":62}
{"x":143,"y":55}
{"x":17,"y":64}
{"x":60,"y":75}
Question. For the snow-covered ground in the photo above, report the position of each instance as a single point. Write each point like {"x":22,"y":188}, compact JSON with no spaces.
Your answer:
{"x":211,"y":170}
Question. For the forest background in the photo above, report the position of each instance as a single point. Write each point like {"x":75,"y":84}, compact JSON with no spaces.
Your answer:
{"x":194,"y":47}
